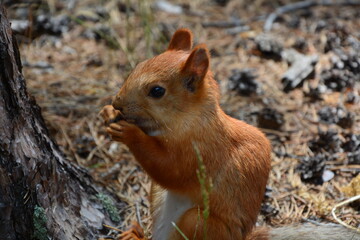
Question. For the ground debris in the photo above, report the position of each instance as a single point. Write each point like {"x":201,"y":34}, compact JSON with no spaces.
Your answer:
{"x":84,"y":145}
{"x":55,"y":25}
{"x":268,"y":210}
{"x":102,"y":32}
{"x":42,"y":24}
{"x":344,"y":72}
{"x":243,"y":81}
{"x":270,"y":118}
{"x":353,"y":188}
{"x":92,"y":15}
{"x":352,"y":98}
{"x":336,"y":115}
{"x":315,"y":93}
{"x":73,"y":75}
{"x":336,"y":79}
{"x":352,"y":146}
{"x":352,"y":142}
{"x":301,"y":45}
{"x":269,"y":46}
{"x":328,"y":141}
{"x":311,"y":168}
{"x":301,"y":68}
{"x":168,"y":7}
{"x":222,"y":3}
{"x":354,"y":157}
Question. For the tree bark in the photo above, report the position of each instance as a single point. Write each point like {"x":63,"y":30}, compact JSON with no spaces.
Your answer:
{"x":37,"y":185}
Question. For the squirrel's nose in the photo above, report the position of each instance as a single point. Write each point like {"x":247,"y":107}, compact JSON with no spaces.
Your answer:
{"x":121,"y":109}
{"x":117,"y":105}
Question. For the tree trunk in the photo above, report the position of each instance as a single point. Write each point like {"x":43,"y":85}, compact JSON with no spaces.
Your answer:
{"x":42,"y":195}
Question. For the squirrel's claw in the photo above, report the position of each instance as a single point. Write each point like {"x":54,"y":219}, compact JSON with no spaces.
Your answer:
{"x":124,"y":132}
{"x":135,"y":232}
{"x":110,"y":114}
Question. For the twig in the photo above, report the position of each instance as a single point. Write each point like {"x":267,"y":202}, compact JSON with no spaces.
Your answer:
{"x":110,"y":173}
{"x":70,"y":143}
{"x":138,"y":217}
{"x":93,"y":151}
{"x":99,"y":143}
{"x":298,"y":198}
{"x":353,"y":199}
{"x":346,"y":167}
{"x":303,"y":5}
{"x":127,"y":177}
{"x":236,"y":30}
{"x":113,"y":228}
{"x":224,"y":24}
{"x":232,"y":23}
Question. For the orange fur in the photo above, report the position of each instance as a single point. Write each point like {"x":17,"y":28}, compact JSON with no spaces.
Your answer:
{"x":161,"y":133}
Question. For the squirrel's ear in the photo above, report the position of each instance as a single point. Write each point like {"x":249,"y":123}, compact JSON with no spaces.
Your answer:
{"x":181,"y":40}
{"x":196,"y":67}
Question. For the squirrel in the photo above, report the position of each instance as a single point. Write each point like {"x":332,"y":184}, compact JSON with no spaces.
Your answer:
{"x":167,"y":107}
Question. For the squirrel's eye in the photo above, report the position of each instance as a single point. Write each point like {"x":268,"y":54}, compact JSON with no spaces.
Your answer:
{"x":157,"y":92}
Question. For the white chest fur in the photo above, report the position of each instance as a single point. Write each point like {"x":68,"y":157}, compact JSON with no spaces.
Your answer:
{"x":173,"y":207}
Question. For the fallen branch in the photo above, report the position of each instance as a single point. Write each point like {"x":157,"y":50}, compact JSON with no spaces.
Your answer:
{"x":303,"y":5}
{"x":224,"y":24}
{"x":353,"y":199}
{"x":232,"y":23}
{"x":236,"y":30}
{"x":301,"y":68}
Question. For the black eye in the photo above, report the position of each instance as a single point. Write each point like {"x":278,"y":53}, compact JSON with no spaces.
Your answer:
{"x":157,"y":92}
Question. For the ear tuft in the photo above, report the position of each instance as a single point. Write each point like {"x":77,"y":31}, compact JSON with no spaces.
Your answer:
{"x":181,"y":40}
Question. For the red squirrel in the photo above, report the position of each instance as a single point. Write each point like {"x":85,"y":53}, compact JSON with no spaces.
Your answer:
{"x":168,"y":105}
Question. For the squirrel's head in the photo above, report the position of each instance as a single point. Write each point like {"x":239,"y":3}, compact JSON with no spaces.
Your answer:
{"x":166,"y":92}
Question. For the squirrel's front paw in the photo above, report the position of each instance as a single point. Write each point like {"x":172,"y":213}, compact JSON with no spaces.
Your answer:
{"x":110,"y":114}
{"x":123,"y":131}
{"x":135,"y":232}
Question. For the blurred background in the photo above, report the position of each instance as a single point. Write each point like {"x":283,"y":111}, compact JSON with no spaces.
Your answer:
{"x":291,"y":68}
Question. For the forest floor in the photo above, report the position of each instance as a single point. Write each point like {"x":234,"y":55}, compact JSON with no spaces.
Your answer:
{"x":299,"y":82}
